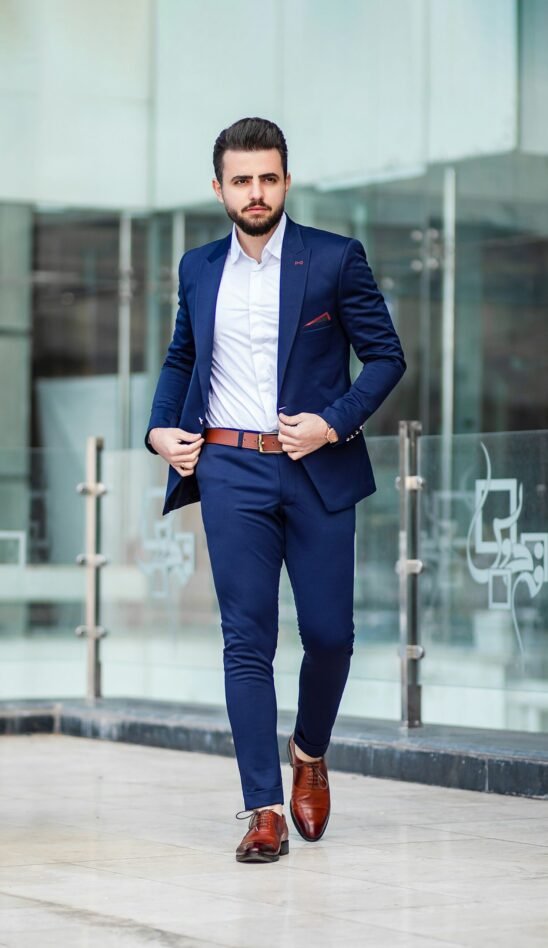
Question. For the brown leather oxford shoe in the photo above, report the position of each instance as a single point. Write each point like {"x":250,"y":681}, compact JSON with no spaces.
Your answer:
{"x":310,"y":798}
{"x":266,"y":839}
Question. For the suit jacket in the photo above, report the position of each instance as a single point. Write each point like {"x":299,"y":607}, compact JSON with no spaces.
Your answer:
{"x":329,"y":301}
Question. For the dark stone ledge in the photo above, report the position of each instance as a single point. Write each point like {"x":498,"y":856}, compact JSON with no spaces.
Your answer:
{"x":506,"y":762}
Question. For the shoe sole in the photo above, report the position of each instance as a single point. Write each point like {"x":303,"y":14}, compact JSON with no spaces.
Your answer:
{"x":255,"y":856}
{"x":309,"y":839}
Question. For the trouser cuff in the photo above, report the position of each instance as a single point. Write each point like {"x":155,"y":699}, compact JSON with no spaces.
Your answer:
{"x":313,"y":750}
{"x":263,"y":797}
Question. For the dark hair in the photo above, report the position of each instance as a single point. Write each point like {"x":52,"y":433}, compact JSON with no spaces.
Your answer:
{"x":249,"y":134}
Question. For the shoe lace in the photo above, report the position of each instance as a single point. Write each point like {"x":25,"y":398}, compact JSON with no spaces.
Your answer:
{"x":315,"y":778}
{"x":264,"y":819}
{"x":259,"y":818}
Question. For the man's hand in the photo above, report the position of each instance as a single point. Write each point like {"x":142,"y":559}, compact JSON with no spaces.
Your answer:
{"x":301,"y":434}
{"x":183,"y":457}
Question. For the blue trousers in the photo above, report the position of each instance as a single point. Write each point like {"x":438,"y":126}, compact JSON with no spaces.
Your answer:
{"x":260,"y":510}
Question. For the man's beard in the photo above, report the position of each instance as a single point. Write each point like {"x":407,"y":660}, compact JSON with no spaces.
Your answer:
{"x":256,"y":228}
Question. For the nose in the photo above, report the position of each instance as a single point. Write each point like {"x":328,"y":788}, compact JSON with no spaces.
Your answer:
{"x":256,"y":190}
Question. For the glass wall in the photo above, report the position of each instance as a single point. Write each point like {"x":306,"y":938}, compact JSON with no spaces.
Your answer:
{"x":500,"y":299}
{"x":158,"y":596}
{"x":483,"y":592}
{"x":88,"y":295}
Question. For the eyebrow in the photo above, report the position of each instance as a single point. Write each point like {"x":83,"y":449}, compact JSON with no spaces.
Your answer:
{"x":267,"y":174}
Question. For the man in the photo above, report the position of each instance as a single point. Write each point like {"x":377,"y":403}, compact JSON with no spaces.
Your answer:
{"x":257,"y":417}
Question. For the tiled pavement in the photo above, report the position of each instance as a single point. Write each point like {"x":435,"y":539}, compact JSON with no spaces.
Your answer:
{"x":108,"y":845}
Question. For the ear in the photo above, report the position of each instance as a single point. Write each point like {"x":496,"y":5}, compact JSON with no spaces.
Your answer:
{"x":218,"y":192}
{"x":287,"y":182}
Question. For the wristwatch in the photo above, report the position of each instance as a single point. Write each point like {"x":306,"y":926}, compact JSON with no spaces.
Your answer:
{"x":331,"y":435}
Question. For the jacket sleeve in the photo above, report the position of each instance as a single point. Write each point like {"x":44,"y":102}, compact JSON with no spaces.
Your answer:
{"x":367,"y":323}
{"x":176,"y":371}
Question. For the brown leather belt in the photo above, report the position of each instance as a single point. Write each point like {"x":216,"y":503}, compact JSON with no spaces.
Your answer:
{"x":265,"y":443}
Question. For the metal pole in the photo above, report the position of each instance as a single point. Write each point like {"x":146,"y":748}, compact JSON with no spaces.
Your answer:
{"x":177,"y":251}
{"x":153,"y":305}
{"x":448,"y":323}
{"x":92,"y":489}
{"x":447,"y":387}
{"x":409,"y":567}
{"x":124,"y":331}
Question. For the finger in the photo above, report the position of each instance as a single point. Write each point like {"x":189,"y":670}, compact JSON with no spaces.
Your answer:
{"x":186,"y":435}
{"x":291,"y":419}
{"x":190,"y":462}
{"x":181,"y":455}
{"x":288,"y":430}
{"x":184,"y":471}
{"x":185,"y":446}
{"x":288,"y":437}
{"x":184,"y":462}
{"x":186,"y":450}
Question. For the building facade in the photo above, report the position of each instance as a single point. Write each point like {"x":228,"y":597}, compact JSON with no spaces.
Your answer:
{"x":417,"y":126}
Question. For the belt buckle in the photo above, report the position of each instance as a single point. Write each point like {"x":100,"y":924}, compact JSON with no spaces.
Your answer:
{"x":260,"y":443}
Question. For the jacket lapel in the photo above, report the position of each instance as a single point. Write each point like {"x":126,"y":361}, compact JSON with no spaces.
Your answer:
{"x":207,"y":290}
{"x":293,"y":274}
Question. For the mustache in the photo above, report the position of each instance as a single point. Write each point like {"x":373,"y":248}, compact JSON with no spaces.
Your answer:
{"x":258,"y":204}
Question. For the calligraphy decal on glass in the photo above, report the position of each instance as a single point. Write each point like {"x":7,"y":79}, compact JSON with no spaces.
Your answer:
{"x":168,"y":553}
{"x":517,"y":559}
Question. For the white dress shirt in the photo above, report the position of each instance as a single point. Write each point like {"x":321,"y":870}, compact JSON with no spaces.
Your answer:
{"x":244,"y":369}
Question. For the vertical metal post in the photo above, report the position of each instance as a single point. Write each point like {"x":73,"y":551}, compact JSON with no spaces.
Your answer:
{"x":153,"y":305}
{"x":428,"y":261}
{"x":124,"y":331}
{"x":92,"y":489}
{"x":448,"y":322}
{"x":447,"y":385}
{"x":409,"y":567}
{"x":177,"y":251}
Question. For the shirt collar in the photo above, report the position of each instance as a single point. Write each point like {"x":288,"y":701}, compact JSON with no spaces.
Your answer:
{"x":273,"y":248}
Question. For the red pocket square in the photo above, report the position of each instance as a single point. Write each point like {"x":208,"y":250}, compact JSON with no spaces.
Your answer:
{"x":324,"y":318}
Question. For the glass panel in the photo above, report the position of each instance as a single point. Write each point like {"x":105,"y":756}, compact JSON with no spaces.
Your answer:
{"x":484,"y":602}
{"x":75,"y":306}
{"x":399,"y":223}
{"x":41,"y":587}
{"x":501,"y":294}
{"x":153,"y":293}
{"x":484,"y":593}
{"x":373,"y":688}
{"x":159,"y":605}
{"x":75,"y":329}
{"x":160,"y":608}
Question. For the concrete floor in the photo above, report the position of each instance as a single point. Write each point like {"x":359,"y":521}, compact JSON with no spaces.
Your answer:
{"x":117,"y":846}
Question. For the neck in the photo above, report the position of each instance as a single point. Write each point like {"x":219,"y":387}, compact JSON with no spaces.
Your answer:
{"x":254,"y":246}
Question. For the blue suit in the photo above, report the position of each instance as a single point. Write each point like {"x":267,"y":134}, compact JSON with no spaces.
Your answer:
{"x":320,"y":272}
{"x":260,"y":510}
